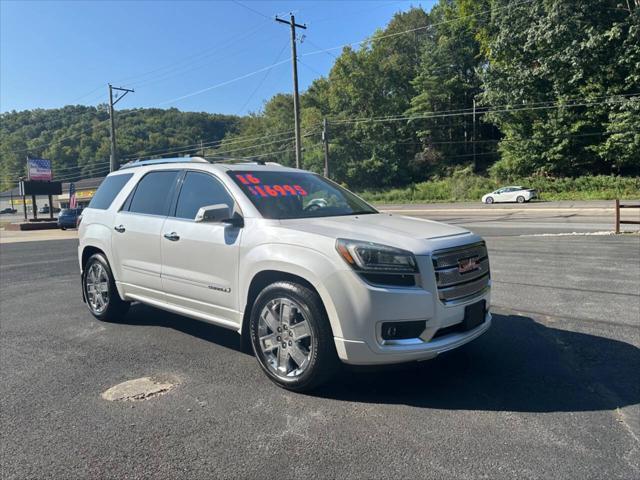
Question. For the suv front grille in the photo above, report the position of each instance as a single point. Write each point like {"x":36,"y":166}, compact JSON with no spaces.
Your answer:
{"x":461,"y":272}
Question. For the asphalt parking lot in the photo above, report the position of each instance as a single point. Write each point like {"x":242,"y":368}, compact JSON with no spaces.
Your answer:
{"x":552,"y":390}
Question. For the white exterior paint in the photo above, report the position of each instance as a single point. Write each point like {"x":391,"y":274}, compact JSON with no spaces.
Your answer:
{"x":509,"y":194}
{"x":207,"y":274}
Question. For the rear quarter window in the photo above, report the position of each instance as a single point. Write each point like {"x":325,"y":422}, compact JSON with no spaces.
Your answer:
{"x":108,"y":190}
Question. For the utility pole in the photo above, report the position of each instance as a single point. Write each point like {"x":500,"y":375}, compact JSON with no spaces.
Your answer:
{"x":325,"y":142}
{"x":113,"y":161}
{"x":475,"y":164}
{"x":201,"y":149}
{"x":296,"y":100}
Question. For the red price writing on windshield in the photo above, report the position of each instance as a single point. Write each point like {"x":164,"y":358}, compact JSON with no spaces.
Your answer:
{"x":248,"y":179}
{"x":276,"y":190}
{"x":255,"y":186}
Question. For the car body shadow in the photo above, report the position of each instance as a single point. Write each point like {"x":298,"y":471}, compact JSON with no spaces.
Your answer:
{"x":518,"y":365}
{"x":144,"y":315}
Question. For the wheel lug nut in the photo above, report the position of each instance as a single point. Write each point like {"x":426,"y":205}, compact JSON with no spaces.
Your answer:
{"x":284,"y":345}
{"x":279,"y":338}
{"x":279,"y":329}
{"x":290,"y":343}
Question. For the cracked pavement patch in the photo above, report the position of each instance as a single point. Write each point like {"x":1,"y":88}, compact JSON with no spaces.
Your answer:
{"x":139,"y":389}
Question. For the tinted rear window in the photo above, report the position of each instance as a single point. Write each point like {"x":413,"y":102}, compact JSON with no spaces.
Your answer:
{"x":108,"y":190}
{"x":154,"y":193}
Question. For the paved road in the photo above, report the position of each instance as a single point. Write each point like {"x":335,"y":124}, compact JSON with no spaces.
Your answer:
{"x":527,"y":219}
{"x":550,"y":391}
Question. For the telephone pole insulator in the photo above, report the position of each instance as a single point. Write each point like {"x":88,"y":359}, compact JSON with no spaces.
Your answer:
{"x":296,"y":99}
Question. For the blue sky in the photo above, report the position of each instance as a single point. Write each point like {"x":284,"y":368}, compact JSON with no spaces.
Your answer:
{"x":58,"y":53}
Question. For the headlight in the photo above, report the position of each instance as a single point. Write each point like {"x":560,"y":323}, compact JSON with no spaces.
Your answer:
{"x":376,"y":258}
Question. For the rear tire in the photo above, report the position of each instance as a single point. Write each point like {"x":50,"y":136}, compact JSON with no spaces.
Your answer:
{"x":100,"y":292}
{"x":489,"y":200}
{"x":291,"y":337}
{"x":63,"y":228}
{"x":520,"y":199}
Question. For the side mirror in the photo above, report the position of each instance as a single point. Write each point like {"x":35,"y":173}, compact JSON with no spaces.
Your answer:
{"x":219,"y":213}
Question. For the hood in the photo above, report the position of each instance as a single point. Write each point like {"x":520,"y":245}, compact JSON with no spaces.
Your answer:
{"x":417,"y":235}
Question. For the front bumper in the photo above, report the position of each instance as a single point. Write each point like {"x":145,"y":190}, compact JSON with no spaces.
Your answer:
{"x":356,"y":352}
{"x":362,"y":309}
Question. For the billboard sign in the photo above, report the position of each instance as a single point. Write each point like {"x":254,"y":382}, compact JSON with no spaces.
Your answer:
{"x":31,"y":187}
{"x":39,"y":169}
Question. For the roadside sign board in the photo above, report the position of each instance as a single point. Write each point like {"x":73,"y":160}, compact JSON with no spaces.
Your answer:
{"x":40,"y":188}
{"x":39,"y":169}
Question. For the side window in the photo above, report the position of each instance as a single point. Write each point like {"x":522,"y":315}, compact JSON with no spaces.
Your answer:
{"x":153,"y":193}
{"x":108,"y":190}
{"x":199,"y":190}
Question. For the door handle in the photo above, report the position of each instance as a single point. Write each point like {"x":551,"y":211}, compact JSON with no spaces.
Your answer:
{"x":173,"y":236}
{"x":119,"y":228}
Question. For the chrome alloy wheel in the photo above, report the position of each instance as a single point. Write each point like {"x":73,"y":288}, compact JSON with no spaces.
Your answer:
{"x":96,"y":283}
{"x":285,"y":337}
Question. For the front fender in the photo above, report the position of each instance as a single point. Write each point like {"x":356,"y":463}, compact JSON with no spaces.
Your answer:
{"x":309,"y":264}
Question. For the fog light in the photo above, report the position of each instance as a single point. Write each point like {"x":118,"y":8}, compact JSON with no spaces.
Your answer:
{"x":402,"y":330}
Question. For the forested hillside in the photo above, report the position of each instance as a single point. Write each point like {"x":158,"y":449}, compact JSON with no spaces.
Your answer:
{"x":556,"y":88}
{"x":76,"y":138}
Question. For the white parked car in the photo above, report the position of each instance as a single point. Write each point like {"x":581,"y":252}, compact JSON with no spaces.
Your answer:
{"x":308,"y":273}
{"x":510,"y":194}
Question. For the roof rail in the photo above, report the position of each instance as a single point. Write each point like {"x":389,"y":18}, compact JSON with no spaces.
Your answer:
{"x":160,"y":161}
{"x":242,"y":160}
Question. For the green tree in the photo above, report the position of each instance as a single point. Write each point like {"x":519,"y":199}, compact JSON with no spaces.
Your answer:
{"x":557,"y":84}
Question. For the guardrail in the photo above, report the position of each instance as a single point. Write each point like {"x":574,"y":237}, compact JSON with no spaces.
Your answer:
{"x":618,"y":221}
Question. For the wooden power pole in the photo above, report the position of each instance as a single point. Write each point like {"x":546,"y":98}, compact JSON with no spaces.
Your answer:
{"x":296,"y":99}
{"x":325,"y":143}
{"x":113,"y":160}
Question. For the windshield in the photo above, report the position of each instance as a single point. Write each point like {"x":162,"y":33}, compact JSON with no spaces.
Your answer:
{"x":282,"y":195}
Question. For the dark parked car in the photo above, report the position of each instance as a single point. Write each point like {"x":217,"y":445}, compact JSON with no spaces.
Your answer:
{"x":45,"y":209}
{"x":68,"y":217}
{"x":8,"y":210}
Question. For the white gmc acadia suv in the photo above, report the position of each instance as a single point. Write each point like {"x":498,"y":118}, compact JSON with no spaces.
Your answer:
{"x":304,"y":270}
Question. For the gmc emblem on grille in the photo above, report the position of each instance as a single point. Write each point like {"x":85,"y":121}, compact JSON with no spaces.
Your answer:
{"x":468,"y":265}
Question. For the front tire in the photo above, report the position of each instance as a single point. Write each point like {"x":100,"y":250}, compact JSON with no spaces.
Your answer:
{"x":489,"y":200}
{"x":100,"y":292}
{"x":291,"y":337}
{"x":520,"y":199}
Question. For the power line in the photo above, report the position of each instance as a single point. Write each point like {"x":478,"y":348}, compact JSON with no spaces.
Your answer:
{"x":203,"y":61}
{"x":462,"y":112}
{"x":94,"y":171}
{"x":306,"y":54}
{"x":189,"y":59}
{"x":395,"y":34}
{"x":198,"y":92}
{"x":311,"y":68}
{"x":196,"y":147}
{"x":252,"y":9}
{"x":266,"y":74}
{"x":232,"y":141}
{"x":222,"y":84}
